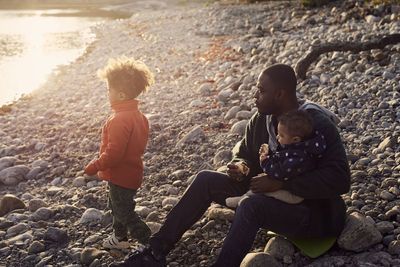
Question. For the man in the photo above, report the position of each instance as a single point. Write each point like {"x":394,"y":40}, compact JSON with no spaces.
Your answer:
{"x":322,"y":213}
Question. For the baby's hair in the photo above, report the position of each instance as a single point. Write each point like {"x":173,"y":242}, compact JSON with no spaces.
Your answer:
{"x":127,"y":75}
{"x":297,"y":122}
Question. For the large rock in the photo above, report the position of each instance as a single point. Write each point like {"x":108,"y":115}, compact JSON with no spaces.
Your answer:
{"x":13,"y":175}
{"x":359,"y":233}
{"x":9,"y":203}
{"x":259,"y":260}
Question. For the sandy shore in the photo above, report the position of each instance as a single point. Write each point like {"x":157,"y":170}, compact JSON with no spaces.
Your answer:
{"x":206,"y":59}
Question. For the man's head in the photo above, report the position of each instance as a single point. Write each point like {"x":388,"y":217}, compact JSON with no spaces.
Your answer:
{"x":276,"y":90}
{"x":294,"y":126}
{"x":126,"y":78}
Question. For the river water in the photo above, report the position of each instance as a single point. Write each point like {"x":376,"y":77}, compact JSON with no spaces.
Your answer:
{"x":34,"y":42}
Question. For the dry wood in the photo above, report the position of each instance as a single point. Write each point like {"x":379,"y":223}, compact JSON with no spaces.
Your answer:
{"x":303,"y":64}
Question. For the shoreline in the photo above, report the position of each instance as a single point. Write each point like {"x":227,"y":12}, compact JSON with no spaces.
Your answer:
{"x":206,"y":60}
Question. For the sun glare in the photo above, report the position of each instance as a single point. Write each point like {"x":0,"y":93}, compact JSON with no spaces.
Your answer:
{"x":46,"y":42}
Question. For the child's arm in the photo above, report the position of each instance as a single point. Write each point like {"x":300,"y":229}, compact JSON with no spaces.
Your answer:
{"x":117,"y":139}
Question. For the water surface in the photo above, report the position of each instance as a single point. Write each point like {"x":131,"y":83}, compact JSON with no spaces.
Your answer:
{"x":35,"y":42}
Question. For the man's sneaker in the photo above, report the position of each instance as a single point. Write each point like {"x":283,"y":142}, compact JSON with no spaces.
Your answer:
{"x":141,"y":256}
{"x":113,"y":242}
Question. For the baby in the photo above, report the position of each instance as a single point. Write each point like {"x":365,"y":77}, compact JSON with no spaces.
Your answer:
{"x":298,"y":149}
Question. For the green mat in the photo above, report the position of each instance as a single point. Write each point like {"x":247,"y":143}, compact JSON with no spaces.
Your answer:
{"x":312,"y":247}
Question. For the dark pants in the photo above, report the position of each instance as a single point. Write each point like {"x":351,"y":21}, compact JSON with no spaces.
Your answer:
{"x":253,"y":213}
{"x":125,"y":219}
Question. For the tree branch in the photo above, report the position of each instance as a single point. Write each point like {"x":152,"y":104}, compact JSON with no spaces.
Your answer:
{"x":303,"y":64}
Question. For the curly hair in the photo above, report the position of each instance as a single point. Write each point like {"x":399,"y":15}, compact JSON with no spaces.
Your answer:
{"x":297,"y":122}
{"x":127,"y":75}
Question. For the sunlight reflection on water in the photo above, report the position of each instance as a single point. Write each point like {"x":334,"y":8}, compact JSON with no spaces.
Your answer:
{"x":32,"y":45}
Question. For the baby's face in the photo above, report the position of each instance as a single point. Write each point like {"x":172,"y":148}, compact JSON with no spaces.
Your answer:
{"x":284,"y":138}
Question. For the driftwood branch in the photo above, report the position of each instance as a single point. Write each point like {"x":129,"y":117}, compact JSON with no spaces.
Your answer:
{"x":303,"y":64}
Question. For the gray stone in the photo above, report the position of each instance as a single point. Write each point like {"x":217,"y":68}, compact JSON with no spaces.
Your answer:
{"x":224,"y":95}
{"x":35,"y":204}
{"x":384,"y":227}
{"x":43,"y":214}
{"x":33,"y":173}
{"x":197,"y":104}
{"x":79,"y":181}
{"x":154,"y":226}
{"x":17,"y":229}
{"x":6,"y":162}
{"x":220,"y":214}
{"x":56,"y":235}
{"x":153,"y":217}
{"x":89,"y":254}
{"x":196,"y":134}
{"x":13,"y":175}
{"x":21,"y":238}
{"x":239,"y":127}
{"x":259,"y":260}
{"x":91,"y":215}
{"x":279,"y":247}
{"x":9,"y":203}
{"x":387,"y":142}
{"x":243,"y":115}
{"x":223,"y":156}
{"x":232,"y":112}
{"x":142,"y":211}
{"x":170,"y":201}
{"x":36,"y":247}
{"x":394,"y":247}
{"x":358,"y":234}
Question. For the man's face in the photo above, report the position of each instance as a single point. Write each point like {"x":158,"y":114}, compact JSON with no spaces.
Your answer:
{"x":266,"y":96}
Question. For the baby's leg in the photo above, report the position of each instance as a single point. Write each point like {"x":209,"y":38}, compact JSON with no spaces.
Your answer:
{"x":232,"y":202}
{"x":285,"y":196}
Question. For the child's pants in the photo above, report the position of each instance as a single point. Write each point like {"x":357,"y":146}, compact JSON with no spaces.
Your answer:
{"x":125,"y":219}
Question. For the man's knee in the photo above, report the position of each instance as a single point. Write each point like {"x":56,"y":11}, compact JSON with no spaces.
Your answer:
{"x":252,"y":206}
{"x":202,"y":177}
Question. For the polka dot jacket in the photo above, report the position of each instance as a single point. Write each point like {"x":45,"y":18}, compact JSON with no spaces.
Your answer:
{"x":294,"y":159}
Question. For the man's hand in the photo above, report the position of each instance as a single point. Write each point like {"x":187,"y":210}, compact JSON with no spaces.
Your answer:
{"x":234,"y":172}
{"x":262,"y":183}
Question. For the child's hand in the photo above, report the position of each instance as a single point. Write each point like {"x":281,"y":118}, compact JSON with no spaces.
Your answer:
{"x":91,"y":169}
{"x":263,"y":152}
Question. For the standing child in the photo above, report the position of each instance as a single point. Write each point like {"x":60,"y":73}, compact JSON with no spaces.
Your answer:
{"x":123,"y":142}
{"x":296,"y":154}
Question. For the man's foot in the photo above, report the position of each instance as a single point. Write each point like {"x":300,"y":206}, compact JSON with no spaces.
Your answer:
{"x":141,"y":256}
{"x":114,"y":242}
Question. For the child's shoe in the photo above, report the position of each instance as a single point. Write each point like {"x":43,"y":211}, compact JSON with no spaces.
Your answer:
{"x":113,"y":242}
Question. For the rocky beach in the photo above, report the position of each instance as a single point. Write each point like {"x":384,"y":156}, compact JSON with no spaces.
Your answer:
{"x":206,"y":59}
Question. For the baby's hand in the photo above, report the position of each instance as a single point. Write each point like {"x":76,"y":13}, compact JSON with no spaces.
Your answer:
{"x":263,"y":152}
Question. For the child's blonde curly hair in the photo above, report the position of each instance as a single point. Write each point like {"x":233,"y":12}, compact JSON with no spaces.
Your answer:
{"x":127,"y":75}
